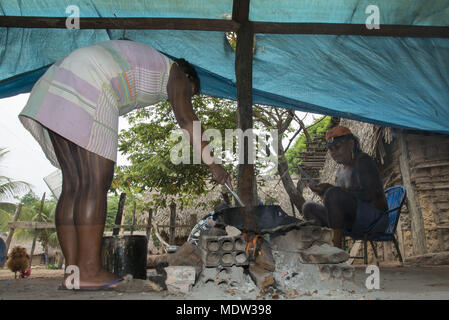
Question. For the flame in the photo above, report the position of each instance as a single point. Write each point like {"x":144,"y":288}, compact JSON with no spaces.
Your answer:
{"x":251,"y":244}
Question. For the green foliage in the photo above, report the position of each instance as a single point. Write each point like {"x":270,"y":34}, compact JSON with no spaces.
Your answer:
{"x":293,"y":154}
{"x":30,"y":211}
{"x":147,"y":145}
{"x":113,"y":201}
{"x":8,"y":187}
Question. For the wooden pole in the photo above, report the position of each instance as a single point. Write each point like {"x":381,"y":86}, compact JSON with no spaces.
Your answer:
{"x":133,"y":220}
{"x":416,"y":219}
{"x":11,"y":229}
{"x":150,"y":217}
{"x":246,"y":186}
{"x":122,"y":222}
{"x":37,"y":232}
{"x":172,"y":223}
{"x":118,"y":217}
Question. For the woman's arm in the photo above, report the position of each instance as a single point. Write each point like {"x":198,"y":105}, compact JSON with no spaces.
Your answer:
{"x":180,"y":90}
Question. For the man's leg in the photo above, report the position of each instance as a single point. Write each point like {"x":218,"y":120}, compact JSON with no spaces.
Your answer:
{"x":315,"y":213}
{"x":341,"y":207}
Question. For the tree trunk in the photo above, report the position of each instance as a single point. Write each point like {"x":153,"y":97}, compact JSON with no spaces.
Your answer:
{"x":295,"y":196}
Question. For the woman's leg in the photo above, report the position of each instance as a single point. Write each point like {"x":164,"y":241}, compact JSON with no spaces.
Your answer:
{"x":64,"y":219}
{"x":81,"y":210}
{"x":95,"y":175}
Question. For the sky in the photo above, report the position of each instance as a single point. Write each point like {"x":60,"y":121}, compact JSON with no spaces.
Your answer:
{"x":26,"y":160}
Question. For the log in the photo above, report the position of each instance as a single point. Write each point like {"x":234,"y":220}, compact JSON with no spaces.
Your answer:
{"x":265,"y":257}
{"x":261,"y":277}
{"x":416,"y":219}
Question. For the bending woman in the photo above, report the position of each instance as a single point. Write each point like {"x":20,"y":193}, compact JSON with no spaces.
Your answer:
{"x":73,"y":112}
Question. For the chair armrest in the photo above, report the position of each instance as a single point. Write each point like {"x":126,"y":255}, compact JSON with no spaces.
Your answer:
{"x":391,"y":210}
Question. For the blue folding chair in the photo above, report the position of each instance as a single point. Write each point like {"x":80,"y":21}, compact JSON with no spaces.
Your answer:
{"x":396,"y":196}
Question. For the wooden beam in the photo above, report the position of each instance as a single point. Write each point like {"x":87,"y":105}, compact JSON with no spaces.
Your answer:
{"x":351,"y":29}
{"x":416,"y":219}
{"x":122,"y":23}
{"x":238,"y":15}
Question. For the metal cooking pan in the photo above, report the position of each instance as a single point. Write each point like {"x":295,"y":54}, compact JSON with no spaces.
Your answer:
{"x":268,"y":219}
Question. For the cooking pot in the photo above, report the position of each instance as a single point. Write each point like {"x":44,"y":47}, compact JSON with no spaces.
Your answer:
{"x":268,"y":218}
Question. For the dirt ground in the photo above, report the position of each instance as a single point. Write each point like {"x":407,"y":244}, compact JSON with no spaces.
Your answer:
{"x":396,"y":283}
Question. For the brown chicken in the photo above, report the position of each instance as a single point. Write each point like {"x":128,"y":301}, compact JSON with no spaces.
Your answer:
{"x":18,"y":260}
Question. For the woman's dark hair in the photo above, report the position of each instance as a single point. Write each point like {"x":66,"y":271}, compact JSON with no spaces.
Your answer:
{"x":190,"y":71}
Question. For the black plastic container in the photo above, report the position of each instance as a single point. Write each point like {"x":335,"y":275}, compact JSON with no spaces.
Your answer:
{"x":125,"y":255}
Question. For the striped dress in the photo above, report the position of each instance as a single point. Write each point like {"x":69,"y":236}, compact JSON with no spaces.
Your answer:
{"x":81,"y":96}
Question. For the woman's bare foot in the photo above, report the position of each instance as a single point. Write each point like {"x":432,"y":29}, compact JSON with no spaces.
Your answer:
{"x":96,"y":279}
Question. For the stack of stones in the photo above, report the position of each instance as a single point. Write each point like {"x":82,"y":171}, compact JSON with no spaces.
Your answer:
{"x":223,"y":259}
{"x":302,"y":257}
{"x":307,"y":255}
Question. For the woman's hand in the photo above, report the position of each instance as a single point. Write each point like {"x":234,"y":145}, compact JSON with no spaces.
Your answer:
{"x":321,"y":188}
{"x":220,"y":174}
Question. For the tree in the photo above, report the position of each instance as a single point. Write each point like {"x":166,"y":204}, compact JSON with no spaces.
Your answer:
{"x":281,"y":119}
{"x":148,"y":148}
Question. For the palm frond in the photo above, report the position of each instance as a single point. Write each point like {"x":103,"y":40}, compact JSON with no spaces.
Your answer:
{"x":9,"y":188}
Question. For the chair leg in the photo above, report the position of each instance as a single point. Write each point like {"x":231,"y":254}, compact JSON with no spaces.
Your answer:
{"x":365,"y":251}
{"x":396,"y":244}
{"x":375,"y":252}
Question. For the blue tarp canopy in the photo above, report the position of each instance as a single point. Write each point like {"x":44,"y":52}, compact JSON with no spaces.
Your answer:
{"x":390,"y":81}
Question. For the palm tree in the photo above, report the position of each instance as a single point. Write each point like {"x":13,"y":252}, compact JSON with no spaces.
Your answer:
{"x":8,"y":187}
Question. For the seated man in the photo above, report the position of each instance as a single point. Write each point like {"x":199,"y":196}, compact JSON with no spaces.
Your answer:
{"x":358,"y":200}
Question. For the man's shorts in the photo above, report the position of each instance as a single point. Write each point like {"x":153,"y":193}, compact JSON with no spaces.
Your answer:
{"x":369,"y":219}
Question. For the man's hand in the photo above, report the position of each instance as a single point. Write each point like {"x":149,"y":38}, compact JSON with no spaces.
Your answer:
{"x":321,"y":188}
{"x":220,"y":174}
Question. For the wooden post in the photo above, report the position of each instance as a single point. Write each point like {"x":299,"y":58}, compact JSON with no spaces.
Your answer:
{"x":11,"y":230}
{"x":246,"y":186}
{"x":122,"y":222}
{"x":416,"y":219}
{"x":172,"y":223}
{"x":133,"y":220}
{"x":35,"y":236}
{"x":118,"y":217}
{"x":150,"y":217}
